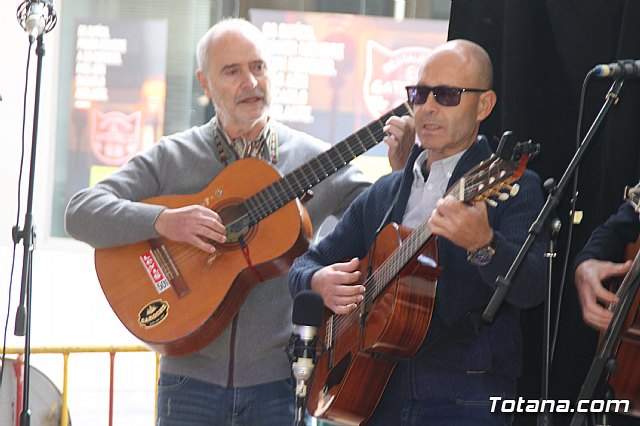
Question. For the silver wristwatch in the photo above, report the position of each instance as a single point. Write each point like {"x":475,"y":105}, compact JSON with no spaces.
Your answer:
{"x":483,"y":255}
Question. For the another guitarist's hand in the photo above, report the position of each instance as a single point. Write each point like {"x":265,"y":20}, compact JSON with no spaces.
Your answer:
{"x":400,"y":135}
{"x":336,"y":285}
{"x":465,"y":226}
{"x":195,"y":225}
{"x":593,"y":297}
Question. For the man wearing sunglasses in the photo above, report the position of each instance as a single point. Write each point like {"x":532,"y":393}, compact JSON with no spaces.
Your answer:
{"x":461,"y":363}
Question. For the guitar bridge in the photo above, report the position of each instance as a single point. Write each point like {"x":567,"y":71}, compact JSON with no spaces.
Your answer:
{"x":162,"y":269}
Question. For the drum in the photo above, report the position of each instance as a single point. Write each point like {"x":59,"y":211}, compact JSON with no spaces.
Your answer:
{"x":45,"y":399}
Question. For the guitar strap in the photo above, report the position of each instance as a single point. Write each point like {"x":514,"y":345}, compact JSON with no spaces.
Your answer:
{"x":387,"y":215}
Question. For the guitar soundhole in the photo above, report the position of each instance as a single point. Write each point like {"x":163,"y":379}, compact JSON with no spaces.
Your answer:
{"x":236,"y":220}
{"x":336,"y":375}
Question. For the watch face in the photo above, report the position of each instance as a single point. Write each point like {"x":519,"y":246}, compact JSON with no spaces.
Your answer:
{"x":482,"y":256}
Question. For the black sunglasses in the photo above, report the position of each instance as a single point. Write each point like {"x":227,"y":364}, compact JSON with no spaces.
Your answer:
{"x":444,"y":95}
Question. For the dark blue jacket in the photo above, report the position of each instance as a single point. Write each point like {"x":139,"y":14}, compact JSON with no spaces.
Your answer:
{"x":608,"y":241}
{"x":462,"y":287}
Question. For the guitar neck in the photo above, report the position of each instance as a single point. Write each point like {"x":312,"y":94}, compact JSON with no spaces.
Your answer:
{"x":392,"y":266}
{"x":298,"y":182}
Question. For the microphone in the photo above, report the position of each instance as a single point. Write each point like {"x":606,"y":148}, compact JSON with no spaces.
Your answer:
{"x":624,"y":68}
{"x":36,"y":17}
{"x":308,"y":307}
{"x":36,"y":20}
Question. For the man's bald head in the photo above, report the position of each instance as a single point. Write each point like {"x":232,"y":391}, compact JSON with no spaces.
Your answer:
{"x":471,"y":55}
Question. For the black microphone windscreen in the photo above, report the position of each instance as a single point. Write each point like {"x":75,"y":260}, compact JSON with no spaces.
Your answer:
{"x":307,"y":308}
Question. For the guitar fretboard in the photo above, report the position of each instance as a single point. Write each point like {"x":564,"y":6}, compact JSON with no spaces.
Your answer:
{"x":392,"y":266}
{"x":298,"y":182}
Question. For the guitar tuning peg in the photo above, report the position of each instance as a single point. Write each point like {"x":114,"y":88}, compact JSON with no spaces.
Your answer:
{"x":503,"y":196}
{"x":491,"y":202}
{"x":514,"y":190}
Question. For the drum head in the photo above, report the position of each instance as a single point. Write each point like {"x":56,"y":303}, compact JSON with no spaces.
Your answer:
{"x":45,"y":400}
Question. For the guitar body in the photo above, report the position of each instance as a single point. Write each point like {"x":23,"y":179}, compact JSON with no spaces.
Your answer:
{"x":625,"y":380}
{"x":351,"y":375}
{"x":176,"y":298}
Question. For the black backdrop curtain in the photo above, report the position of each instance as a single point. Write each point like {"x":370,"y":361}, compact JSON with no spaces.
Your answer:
{"x":542,"y":52}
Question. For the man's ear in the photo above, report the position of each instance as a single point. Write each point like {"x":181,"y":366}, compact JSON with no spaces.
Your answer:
{"x":486,"y":103}
{"x":204,"y":82}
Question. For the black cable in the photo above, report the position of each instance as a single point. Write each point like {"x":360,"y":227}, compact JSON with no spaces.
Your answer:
{"x":16,"y":227}
{"x":574,"y":197}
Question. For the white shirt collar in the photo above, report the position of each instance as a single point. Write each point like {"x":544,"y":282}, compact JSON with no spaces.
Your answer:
{"x":444,"y":166}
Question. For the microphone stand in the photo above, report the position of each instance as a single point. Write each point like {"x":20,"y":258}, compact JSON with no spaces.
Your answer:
{"x":302,"y":369}
{"x":300,"y":404}
{"x":503,"y":284}
{"x":544,"y":417}
{"x":27,"y":235}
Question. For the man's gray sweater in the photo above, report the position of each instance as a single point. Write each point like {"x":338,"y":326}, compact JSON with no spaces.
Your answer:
{"x":250,"y":350}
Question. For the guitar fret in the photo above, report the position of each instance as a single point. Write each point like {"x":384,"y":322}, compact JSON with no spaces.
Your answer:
{"x":361,"y":145}
{"x":261,"y":202}
{"x":345,"y":153}
{"x":329,"y":166}
{"x":249,"y":207}
{"x":281,"y":198}
{"x":351,"y":152}
{"x":292,"y":192}
{"x":309,"y":184}
{"x":273,"y":196}
{"x":304,"y":175}
{"x":321,"y":170}
{"x":338,"y":161}
{"x":373,"y":135}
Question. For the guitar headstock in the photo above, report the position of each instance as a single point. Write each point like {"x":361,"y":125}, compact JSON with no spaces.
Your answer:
{"x":496,"y":176}
{"x":632,"y":195}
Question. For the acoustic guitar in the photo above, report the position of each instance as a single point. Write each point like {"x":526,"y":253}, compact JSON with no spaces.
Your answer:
{"x":178,"y":299}
{"x":360,"y":349}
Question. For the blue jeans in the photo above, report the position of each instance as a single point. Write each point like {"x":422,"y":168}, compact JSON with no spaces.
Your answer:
{"x":442,"y":399}
{"x":184,"y":401}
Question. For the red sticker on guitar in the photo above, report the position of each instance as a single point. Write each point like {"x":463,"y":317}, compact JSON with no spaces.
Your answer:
{"x":157,"y":276}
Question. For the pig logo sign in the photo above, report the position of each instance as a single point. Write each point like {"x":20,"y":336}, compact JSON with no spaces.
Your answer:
{"x":114,"y":136}
{"x":387,"y":72}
